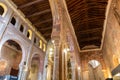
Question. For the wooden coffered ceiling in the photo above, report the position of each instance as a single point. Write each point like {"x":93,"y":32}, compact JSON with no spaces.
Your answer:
{"x":87,"y":17}
{"x":39,"y":13}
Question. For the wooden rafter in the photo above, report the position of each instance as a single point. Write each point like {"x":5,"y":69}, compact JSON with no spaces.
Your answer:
{"x":42,"y":22}
{"x":90,"y":31}
{"x":43,"y":29}
{"x":46,"y":34}
{"x":39,"y":13}
{"x":29,"y":4}
{"x":89,"y":39}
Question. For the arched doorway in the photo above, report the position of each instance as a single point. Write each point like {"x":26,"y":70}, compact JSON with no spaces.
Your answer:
{"x":34,"y":68}
{"x":95,"y":70}
{"x":11,"y":55}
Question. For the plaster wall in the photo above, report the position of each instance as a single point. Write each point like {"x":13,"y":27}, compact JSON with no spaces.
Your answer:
{"x":111,"y":45}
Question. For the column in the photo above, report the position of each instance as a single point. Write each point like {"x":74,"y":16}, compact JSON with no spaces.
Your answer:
{"x":45,"y":67}
{"x":73,"y":70}
{"x":56,"y":60}
{"x":79,"y":71}
{"x":63,"y":66}
{"x":23,"y":73}
{"x":39,"y":76}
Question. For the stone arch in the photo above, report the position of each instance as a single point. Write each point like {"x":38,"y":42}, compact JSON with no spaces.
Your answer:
{"x":4,"y":8}
{"x":95,"y":70}
{"x":34,"y":66}
{"x":37,"y":53}
{"x":6,"y":38}
{"x":12,"y":52}
{"x":94,"y":63}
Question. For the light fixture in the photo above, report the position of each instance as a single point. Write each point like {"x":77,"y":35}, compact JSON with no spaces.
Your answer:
{"x":53,"y":41}
{"x":68,"y":49}
{"x":5,"y":79}
{"x":65,"y":50}
{"x":78,"y":68}
{"x":118,"y":74}
{"x":50,"y":53}
{"x":51,"y":49}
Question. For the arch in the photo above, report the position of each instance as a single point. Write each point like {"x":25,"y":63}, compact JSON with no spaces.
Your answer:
{"x":12,"y":52}
{"x":40,"y":44}
{"x":21,"y":28}
{"x":13,"y":21}
{"x":34,"y":54}
{"x":95,"y":70}
{"x":8,"y":37}
{"x":29,"y":34}
{"x":35,"y":40}
{"x":4,"y":9}
{"x":94,"y":63}
{"x":34,"y":67}
{"x":44,"y":47}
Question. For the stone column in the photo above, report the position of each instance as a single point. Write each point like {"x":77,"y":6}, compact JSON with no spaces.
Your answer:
{"x":73,"y":70}
{"x":79,"y":77}
{"x":63,"y":66}
{"x":45,"y":67}
{"x":56,"y":59}
{"x":39,"y":76}
{"x":23,"y":73}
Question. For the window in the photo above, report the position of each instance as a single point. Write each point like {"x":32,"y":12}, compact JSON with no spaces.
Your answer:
{"x":40,"y":42}
{"x":29,"y":34}
{"x":94,"y":63}
{"x":1,"y":10}
{"x":21,"y":28}
{"x":35,"y":40}
{"x":13,"y":21}
{"x":44,"y":47}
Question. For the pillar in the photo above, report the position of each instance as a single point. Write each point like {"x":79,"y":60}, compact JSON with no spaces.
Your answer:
{"x":73,"y":70}
{"x":23,"y":73}
{"x":45,"y":67}
{"x":63,"y":66}
{"x":56,"y":59}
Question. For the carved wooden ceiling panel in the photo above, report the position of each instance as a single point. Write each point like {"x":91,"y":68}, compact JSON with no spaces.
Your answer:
{"x":39,"y":13}
{"x":87,"y":17}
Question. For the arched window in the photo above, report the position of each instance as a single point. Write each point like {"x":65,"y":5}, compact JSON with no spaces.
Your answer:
{"x":44,"y":47}
{"x":40,"y":42}
{"x":35,"y":40}
{"x":13,"y":21}
{"x":94,"y":63}
{"x":29,"y":34}
{"x":3,"y":9}
{"x":21,"y":28}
